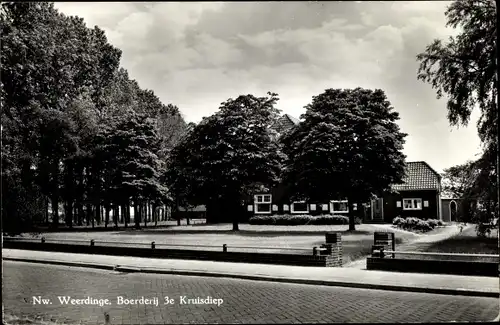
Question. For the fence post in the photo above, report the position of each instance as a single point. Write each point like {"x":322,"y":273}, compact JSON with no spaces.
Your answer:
{"x":334,"y":243}
{"x":92,"y":243}
{"x":153,"y":245}
{"x":315,"y":251}
{"x":43,"y":240}
{"x":224,"y":248}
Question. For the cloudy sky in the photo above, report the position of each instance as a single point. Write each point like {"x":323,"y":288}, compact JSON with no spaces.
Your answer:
{"x":197,"y":55}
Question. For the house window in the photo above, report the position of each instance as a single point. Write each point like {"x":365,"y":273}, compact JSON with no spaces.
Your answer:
{"x":313,"y":207}
{"x":324,"y":207}
{"x":426,"y":204}
{"x":412,"y":204}
{"x":339,"y":206}
{"x":286,"y":207}
{"x":250,"y":208}
{"x":299,"y":207}
{"x":398,"y":204}
{"x":275,"y":207}
{"x":262,"y":203}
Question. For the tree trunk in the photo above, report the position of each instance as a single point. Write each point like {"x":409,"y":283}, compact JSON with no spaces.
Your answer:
{"x":96,"y":176}
{"x":137,"y":216}
{"x":47,"y":210}
{"x":106,"y":220}
{"x":352,"y":214}
{"x":55,"y":210}
{"x":121,"y":214}
{"x":55,"y":193}
{"x":88,"y":213}
{"x":145,"y":214}
{"x":235,"y":215}
{"x":79,"y":195}
{"x":155,"y":214}
{"x":69,"y":193}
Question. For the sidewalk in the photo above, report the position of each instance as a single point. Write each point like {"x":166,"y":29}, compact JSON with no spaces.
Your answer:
{"x":345,"y":277}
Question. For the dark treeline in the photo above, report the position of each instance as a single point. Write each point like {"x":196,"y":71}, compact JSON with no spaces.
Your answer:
{"x":77,"y":131}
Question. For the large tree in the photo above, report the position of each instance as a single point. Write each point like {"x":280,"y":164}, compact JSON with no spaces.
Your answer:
{"x":464,"y":69}
{"x":227,"y":157}
{"x":348,"y":146}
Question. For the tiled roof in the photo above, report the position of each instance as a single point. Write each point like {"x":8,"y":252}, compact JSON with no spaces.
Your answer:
{"x":284,"y":123}
{"x":419,"y":176}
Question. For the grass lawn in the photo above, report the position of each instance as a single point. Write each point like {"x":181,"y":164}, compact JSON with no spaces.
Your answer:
{"x":250,"y":238}
{"x":466,"y":242}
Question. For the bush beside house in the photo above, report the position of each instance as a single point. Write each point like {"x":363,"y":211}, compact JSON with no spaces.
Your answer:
{"x":416,"y":224}
{"x":302,"y":219}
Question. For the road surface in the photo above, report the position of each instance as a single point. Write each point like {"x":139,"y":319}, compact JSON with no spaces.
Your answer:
{"x":243,"y":301}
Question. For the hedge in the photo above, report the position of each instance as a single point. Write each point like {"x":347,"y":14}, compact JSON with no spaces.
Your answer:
{"x":416,"y":224}
{"x":300,"y":219}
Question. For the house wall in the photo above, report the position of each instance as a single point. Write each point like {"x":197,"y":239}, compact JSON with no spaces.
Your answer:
{"x":391,"y":210}
{"x":445,"y":203}
{"x":280,"y":199}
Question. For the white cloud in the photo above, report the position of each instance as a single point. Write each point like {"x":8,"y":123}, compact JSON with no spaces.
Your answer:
{"x":196,"y":55}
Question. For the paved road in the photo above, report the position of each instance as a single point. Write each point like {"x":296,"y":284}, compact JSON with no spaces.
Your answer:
{"x":243,"y":301}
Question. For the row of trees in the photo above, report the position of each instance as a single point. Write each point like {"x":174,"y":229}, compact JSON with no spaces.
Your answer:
{"x":348,"y":146}
{"x":76,"y":129}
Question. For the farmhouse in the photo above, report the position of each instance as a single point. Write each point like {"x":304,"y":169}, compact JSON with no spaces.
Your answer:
{"x":418,"y":195}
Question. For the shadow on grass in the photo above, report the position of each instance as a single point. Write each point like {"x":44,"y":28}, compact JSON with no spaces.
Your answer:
{"x":466,"y":244}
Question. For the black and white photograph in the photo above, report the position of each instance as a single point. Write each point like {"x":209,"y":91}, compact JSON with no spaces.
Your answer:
{"x":250,"y":162}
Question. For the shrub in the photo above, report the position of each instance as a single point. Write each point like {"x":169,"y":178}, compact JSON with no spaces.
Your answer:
{"x":416,"y":224}
{"x":262,"y":220}
{"x":398,"y":221}
{"x":300,"y":219}
{"x":327,"y":219}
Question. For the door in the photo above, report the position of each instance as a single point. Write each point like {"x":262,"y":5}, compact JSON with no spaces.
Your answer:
{"x":377,"y":209}
{"x":453,"y":211}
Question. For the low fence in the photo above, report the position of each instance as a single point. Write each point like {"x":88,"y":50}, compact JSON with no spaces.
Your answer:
{"x":327,"y":255}
{"x":384,"y":258}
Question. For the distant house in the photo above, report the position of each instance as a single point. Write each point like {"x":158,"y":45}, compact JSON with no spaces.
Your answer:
{"x":417,"y":196}
{"x":196,"y":212}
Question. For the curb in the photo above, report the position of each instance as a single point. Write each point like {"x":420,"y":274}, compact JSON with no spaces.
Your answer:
{"x":131,"y":269}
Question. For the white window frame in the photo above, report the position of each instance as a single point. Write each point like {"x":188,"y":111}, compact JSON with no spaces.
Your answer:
{"x":312,"y":207}
{"x":265,"y":199}
{"x":292,"y":207}
{"x":338,"y":201}
{"x":324,"y":207}
{"x":286,"y":207}
{"x":412,"y":200}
